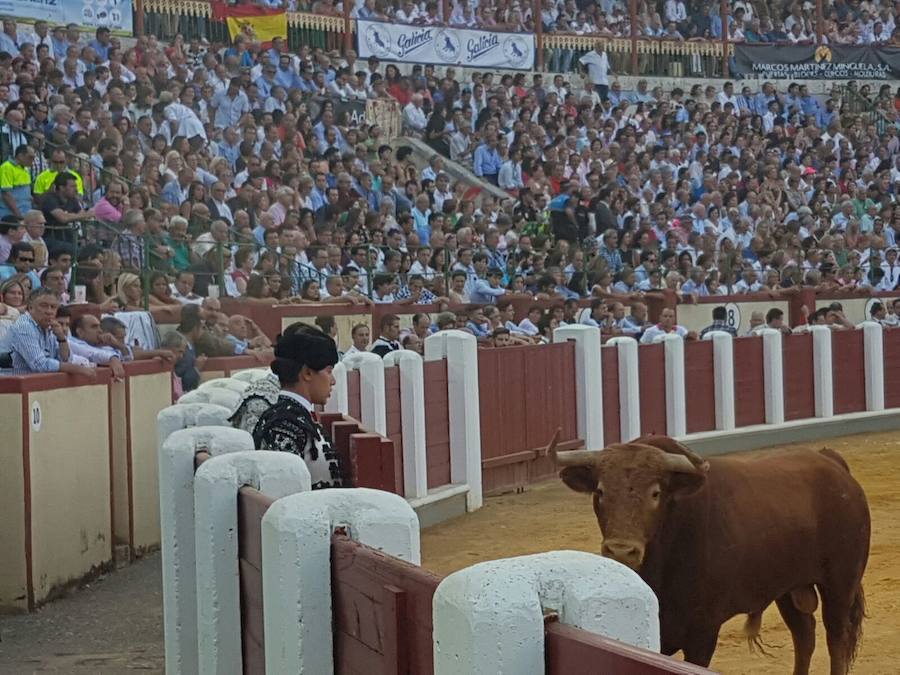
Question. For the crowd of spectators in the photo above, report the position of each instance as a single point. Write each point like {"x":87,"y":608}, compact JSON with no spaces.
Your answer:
{"x":165,"y":175}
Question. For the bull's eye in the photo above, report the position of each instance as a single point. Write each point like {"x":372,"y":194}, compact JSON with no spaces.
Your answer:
{"x":599,"y":492}
{"x":655,"y":494}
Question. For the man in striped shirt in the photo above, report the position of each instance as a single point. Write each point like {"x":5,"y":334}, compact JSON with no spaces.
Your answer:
{"x":37,"y":341}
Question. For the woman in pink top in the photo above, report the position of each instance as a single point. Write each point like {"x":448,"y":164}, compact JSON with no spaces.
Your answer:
{"x":109,"y":209}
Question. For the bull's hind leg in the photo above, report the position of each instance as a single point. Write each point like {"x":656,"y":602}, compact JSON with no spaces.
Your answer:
{"x":842,"y":614}
{"x":803,"y":631}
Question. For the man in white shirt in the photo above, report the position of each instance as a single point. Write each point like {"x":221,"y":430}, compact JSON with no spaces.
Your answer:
{"x":413,"y":114}
{"x":510,"y":176}
{"x":359,"y":334}
{"x":86,"y":342}
{"x":727,"y":96}
{"x":666,"y":326}
{"x":597,"y":64}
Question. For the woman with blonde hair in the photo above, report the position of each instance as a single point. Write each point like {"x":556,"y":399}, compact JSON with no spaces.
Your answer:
{"x":129,"y":292}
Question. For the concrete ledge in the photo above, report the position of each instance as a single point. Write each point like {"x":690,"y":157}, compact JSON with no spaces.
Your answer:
{"x":797,"y":431}
{"x":440,"y":504}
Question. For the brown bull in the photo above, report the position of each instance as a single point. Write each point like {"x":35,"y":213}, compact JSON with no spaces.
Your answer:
{"x":731,"y":535}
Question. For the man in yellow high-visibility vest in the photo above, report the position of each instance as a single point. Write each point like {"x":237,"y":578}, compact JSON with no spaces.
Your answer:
{"x":15,"y":183}
{"x":44,"y":182}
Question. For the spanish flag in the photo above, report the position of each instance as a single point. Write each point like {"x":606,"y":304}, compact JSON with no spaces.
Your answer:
{"x":257,"y":24}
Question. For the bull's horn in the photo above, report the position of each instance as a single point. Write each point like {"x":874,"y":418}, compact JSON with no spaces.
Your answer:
{"x":577,"y":457}
{"x":681,"y":464}
{"x":550,"y":450}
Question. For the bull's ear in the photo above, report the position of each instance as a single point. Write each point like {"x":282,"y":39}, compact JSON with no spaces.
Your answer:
{"x":579,"y":478}
{"x":686,"y":484}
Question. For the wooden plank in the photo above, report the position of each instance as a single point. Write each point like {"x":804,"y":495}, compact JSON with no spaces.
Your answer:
{"x":360,"y":575}
{"x":252,"y":506}
{"x":572,"y":651}
{"x":892,"y":368}
{"x":394,"y":602}
{"x":652,"y":375}
{"x":749,"y":382}
{"x":849,"y":371}
{"x":699,"y":385}
{"x":611,"y":412}
{"x":253,"y":654}
{"x":340,"y":440}
{"x":799,"y":390}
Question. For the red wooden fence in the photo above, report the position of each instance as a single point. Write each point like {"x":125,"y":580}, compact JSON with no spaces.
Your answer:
{"x":892,"y":368}
{"x":437,"y":423}
{"x":612,"y":425}
{"x":699,"y":385}
{"x":571,"y":651}
{"x":354,"y":408}
{"x":652,"y":372}
{"x":392,"y":407}
{"x":848,"y":371}
{"x":382,"y":612}
{"x":524,"y":394}
{"x":749,"y":382}
{"x":799,"y":391}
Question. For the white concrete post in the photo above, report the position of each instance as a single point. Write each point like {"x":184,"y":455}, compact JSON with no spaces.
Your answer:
{"x":436,"y":346}
{"x":465,"y":415}
{"x":676,"y":407}
{"x":216,"y":484}
{"x":773,"y":375}
{"x":488,"y":618}
{"x":296,"y":561}
{"x":629,"y":387}
{"x":873,"y":341}
{"x":371,"y":390}
{"x":176,"y":499}
{"x":339,"y":401}
{"x":822,"y":370}
{"x":588,"y":380}
{"x":723,"y":374}
{"x":412,"y":419}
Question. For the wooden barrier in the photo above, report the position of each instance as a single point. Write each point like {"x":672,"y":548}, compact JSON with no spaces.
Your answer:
{"x":749,"y":385}
{"x":611,"y":410}
{"x":652,"y":370}
{"x":535,"y":386}
{"x":383,"y":613}
{"x":437,"y":423}
{"x":134,"y":404}
{"x":892,"y":368}
{"x":57,"y":492}
{"x":849,"y":377}
{"x":799,"y":389}
{"x":700,"y":385}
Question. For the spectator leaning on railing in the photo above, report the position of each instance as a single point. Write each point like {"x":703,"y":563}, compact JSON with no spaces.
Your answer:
{"x":37,"y":342}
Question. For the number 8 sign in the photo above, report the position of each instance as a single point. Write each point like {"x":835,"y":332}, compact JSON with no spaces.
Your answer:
{"x":733,"y":315}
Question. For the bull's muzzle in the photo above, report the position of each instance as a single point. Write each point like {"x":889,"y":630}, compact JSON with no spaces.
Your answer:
{"x":629,"y":553}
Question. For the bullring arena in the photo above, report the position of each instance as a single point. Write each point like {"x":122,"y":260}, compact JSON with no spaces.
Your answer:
{"x":429,"y":450}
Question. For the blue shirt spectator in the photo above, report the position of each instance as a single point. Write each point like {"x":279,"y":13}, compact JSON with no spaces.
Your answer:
{"x":486,"y":161}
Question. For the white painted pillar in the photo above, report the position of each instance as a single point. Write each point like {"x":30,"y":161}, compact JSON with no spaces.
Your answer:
{"x":436,"y":346}
{"x":176,"y":499}
{"x":465,"y":415}
{"x":339,"y":401}
{"x":488,"y":618}
{"x":822,"y":371}
{"x":296,"y":561}
{"x":412,"y":414}
{"x":588,"y":380}
{"x":371,"y":390}
{"x":873,"y":341}
{"x":629,"y":387}
{"x":773,"y":375}
{"x":216,"y":484}
{"x":723,"y":374}
{"x":676,"y":407}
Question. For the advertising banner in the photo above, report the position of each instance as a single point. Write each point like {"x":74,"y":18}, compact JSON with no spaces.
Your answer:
{"x":839,"y":62}
{"x":117,"y":15}
{"x":441,"y":45}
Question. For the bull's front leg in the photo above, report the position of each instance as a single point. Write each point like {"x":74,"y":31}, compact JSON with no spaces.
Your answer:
{"x":700,"y":644}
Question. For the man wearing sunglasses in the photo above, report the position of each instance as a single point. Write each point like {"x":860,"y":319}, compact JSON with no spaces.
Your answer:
{"x":21,"y":261}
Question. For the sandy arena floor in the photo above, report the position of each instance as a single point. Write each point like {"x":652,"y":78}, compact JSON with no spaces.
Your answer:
{"x":549,"y":516}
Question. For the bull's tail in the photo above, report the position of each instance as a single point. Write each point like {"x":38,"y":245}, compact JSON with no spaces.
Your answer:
{"x":835,"y":456}
{"x":752,"y":627}
{"x":857,"y":614}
